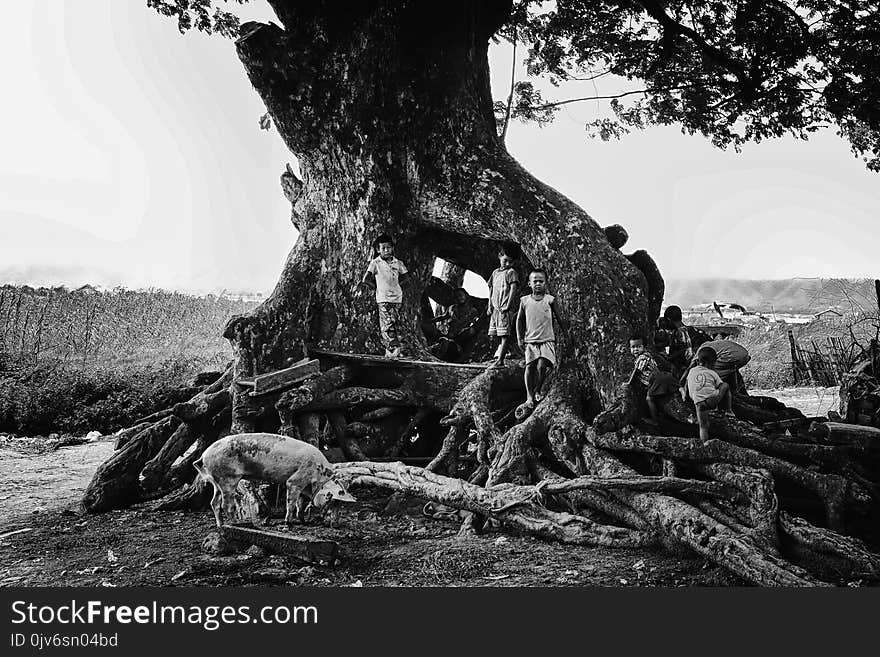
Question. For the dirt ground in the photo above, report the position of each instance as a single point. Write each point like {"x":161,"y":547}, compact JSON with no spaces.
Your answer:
{"x":812,"y":402}
{"x":64,"y":547}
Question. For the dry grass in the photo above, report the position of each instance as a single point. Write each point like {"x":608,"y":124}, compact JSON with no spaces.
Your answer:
{"x":771,"y":364}
{"x":76,"y":361}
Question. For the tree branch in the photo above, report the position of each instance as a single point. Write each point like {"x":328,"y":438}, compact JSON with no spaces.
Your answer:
{"x":656,"y":11}
{"x":615,"y":96}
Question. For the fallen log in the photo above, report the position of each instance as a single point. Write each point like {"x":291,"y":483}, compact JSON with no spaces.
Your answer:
{"x":381,"y":413}
{"x":183,"y":472}
{"x":764,"y":409}
{"x":745,"y":434}
{"x":124,"y":436}
{"x":346,"y":442}
{"x":864,"y":438}
{"x":157,"y":468}
{"x":115,"y":483}
{"x":319,"y":552}
{"x":155,"y":417}
{"x":202,"y":405}
{"x":358,"y":398}
{"x":285,"y":378}
{"x":416,"y":374}
{"x":192,"y":497}
{"x":205,"y":402}
{"x":309,"y":427}
{"x":293,"y":401}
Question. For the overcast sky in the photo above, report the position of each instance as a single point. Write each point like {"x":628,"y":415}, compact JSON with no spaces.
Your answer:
{"x":132,"y":155}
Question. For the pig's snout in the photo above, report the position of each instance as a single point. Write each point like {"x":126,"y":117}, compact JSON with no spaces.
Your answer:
{"x":331,"y":491}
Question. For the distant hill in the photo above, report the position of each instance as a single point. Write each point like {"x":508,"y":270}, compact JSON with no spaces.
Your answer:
{"x":795,"y":295}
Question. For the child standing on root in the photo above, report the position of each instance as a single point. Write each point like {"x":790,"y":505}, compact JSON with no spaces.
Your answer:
{"x":659,"y":385}
{"x":707,"y":389}
{"x":384,"y":273}
{"x":503,"y":287}
{"x":534,"y":332}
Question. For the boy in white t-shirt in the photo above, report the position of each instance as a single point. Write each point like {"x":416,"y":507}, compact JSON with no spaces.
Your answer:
{"x":534,"y":332}
{"x":707,"y":389}
{"x":384,"y":273}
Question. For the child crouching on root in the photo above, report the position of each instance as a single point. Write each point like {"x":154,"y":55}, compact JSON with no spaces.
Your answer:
{"x":660,"y":385}
{"x":707,"y":389}
{"x":534,"y":332}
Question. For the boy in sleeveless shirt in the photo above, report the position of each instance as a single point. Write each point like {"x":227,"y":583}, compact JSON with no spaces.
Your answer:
{"x":534,"y":331}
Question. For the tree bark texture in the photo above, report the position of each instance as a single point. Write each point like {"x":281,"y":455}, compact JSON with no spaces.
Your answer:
{"x":387,"y":107}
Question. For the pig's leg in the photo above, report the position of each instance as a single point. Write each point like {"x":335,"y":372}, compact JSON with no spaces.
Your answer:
{"x":298,"y":486}
{"x":294,"y":491}
{"x":227,"y":491}
{"x":300,"y":508}
{"x":216,"y":501}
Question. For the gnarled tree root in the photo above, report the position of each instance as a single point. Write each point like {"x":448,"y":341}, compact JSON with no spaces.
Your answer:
{"x":517,"y":507}
{"x":827,"y":551}
{"x":831,"y":489}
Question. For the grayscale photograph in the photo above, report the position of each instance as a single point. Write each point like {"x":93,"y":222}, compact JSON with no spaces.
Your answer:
{"x":409,"y":293}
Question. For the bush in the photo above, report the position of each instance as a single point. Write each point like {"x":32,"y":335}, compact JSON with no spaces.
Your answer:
{"x":75,"y":362}
{"x":70,"y":399}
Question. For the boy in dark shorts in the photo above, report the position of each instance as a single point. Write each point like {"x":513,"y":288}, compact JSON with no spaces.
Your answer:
{"x":659,"y":385}
{"x":384,"y":273}
{"x":707,"y":389}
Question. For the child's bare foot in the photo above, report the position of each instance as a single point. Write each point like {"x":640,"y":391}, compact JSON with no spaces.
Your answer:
{"x":524,"y":410}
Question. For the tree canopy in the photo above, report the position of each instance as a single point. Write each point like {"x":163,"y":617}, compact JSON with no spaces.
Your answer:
{"x":731,"y":71}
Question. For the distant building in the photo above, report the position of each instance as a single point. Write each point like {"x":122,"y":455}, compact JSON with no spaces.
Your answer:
{"x":827,"y":313}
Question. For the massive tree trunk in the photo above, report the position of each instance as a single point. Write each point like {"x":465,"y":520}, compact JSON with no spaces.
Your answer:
{"x":388,"y":109}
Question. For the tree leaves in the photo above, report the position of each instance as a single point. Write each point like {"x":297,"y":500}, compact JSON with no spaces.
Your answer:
{"x":731,"y":71}
{"x":197,"y":14}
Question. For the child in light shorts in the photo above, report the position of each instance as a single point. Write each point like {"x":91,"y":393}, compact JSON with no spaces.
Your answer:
{"x":503,"y":288}
{"x":534,"y":331}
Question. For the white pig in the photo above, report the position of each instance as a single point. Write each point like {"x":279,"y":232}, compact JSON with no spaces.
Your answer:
{"x":269,"y":457}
